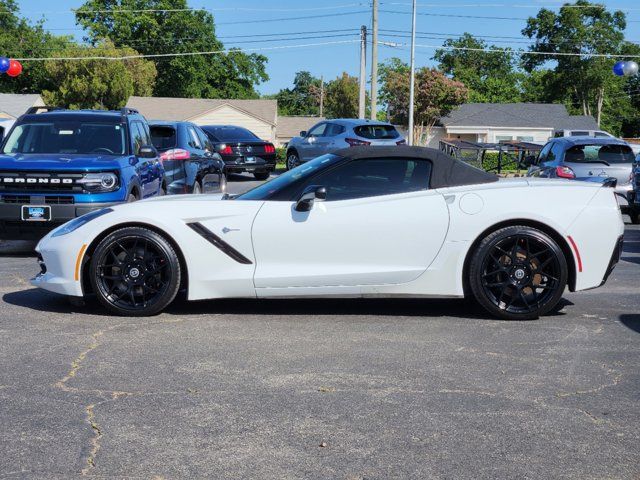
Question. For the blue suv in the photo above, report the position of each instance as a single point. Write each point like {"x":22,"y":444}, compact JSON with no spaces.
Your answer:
{"x":58,"y":164}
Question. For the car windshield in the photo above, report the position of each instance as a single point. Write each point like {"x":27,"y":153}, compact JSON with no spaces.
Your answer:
{"x":610,"y":154}
{"x":267,"y":189}
{"x":224,"y":134}
{"x":377,"y":132}
{"x":66,"y":138}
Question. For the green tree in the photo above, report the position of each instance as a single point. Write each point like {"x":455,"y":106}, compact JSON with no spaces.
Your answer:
{"x":131,"y":23}
{"x":342,"y":97}
{"x":436,"y":95}
{"x":98,"y":83}
{"x":490,"y":76}
{"x":303,"y":98}
{"x":19,"y":39}
{"x":582,"y":80}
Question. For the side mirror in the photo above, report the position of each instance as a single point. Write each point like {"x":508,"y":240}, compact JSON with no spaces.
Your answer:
{"x":309,"y":196}
{"x":303,"y":133}
{"x":147,"y":151}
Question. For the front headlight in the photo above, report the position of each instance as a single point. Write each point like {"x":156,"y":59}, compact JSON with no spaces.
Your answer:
{"x":76,"y":223}
{"x":99,"y":182}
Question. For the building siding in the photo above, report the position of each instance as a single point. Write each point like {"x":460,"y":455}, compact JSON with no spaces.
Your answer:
{"x":227,"y":115}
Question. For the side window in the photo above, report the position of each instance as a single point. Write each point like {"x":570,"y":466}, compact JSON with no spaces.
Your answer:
{"x":137,"y":136}
{"x":374,"y":177}
{"x":542,"y":156}
{"x":334,"y":129}
{"x":318,"y":130}
{"x":556,"y":152}
{"x":194,"y":140}
{"x":204,"y":141}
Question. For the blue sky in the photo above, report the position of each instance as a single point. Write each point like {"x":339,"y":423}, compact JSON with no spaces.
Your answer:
{"x":437,"y":20}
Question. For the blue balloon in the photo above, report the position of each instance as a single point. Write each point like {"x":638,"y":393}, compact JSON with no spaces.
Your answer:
{"x":4,"y":64}
{"x":618,"y":69}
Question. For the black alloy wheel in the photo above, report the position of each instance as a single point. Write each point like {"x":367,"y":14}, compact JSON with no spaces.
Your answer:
{"x":518,"y":273}
{"x":135,"y":272}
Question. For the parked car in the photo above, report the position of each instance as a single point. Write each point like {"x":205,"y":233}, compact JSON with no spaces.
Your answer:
{"x":60,"y":164}
{"x":332,"y":135}
{"x":387,"y":221}
{"x":191,"y":165}
{"x":582,"y":133}
{"x":587,"y":159}
{"x":634,"y":197}
{"x":242,"y":150}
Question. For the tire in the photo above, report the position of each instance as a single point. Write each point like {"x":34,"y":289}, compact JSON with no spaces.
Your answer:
{"x":292,"y":160}
{"x":135,"y":272}
{"x":197,"y":189}
{"x":518,"y":273}
{"x":261,"y":175}
{"x":635,"y":216}
{"x":131,"y":198}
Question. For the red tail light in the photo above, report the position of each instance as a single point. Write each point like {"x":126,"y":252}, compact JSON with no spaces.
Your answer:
{"x":175,"y":154}
{"x":268,"y":148}
{"x":225,"y":149}
{"x":353,"y":142}
{"x":401,"y":142}
{"x":565,"y":172}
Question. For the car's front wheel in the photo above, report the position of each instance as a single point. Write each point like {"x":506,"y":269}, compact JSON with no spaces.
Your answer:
{"x":135,"y":271}
{"x":518,"y":273}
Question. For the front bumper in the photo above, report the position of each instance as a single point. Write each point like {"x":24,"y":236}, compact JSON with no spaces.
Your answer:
{"x":12,"y":227}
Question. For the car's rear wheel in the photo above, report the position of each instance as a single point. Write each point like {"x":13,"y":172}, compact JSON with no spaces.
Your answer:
{"x":197,"y":190}
{"x":261,"y":175}
{"x":135,"y":271}
{"x":292,"y":160}
{"x":518,"y":273}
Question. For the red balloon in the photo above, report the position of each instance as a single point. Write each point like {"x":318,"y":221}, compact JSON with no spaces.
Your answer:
{"x":15,"y":68}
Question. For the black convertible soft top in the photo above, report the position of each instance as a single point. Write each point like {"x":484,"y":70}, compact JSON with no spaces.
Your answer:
{"x":446,"y":171}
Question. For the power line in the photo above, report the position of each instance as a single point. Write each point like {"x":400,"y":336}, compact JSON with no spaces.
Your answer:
{"x":479,"y":17}
{"x":186,"y":54}
{"x":520,"y":53}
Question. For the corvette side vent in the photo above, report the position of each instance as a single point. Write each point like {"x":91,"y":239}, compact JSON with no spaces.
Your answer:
{"x":211,"y":237}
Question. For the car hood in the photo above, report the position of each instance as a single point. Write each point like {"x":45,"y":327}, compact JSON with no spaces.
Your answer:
{"x":29,"y":161}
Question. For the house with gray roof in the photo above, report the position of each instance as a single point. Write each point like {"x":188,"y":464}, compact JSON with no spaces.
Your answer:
{"x":12,"y":105}
{"x":259,"y":116}
{"x":497,"y":122}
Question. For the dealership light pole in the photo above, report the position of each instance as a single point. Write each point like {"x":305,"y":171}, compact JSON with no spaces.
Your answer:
{"x":363,"y":72}
{"x":412,"y":80}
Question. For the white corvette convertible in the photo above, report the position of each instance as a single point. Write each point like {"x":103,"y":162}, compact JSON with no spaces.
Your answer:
{"x":401,"y":221}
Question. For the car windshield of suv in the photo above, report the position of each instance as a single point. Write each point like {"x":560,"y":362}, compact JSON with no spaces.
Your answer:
{"x":225,"y":134}
{"x":66,"y":138}
{"x":599,"y":154}
{"x":267,"y":189}
{"x":377,"y":132}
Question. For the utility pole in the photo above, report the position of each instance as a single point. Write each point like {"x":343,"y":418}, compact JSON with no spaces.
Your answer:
{"x":321,"y":95}
{"x":363,"y":72}
{"x":412,"y":80}
{"x":374,"y":62}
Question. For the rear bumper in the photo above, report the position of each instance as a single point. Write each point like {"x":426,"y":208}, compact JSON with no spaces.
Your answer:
{"x":235,"y":163}
{"x":615,"y":258}
{"x":12,"y":227}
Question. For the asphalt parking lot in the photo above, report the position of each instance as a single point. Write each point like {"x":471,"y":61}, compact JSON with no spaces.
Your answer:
{"x":347,"y":389}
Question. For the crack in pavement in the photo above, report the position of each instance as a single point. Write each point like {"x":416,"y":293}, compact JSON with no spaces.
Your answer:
{"x":616,"y":379}
{"x":113,"y":395}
